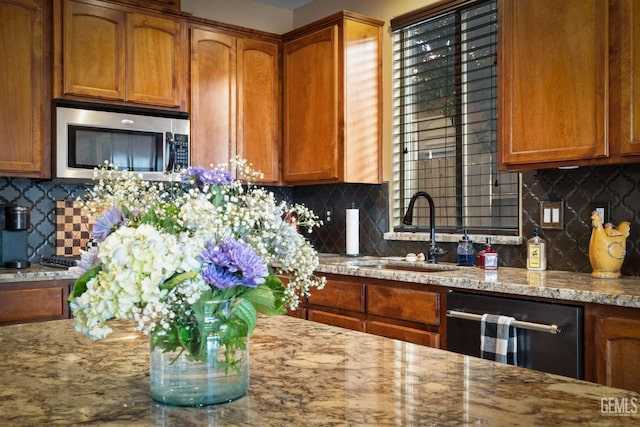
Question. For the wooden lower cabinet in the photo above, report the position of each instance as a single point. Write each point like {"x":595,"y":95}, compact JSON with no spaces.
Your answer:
{"x":618,"y":352}
{"x":404,"y":333}
{"x":398,"y":310}
{"x":22,"y":302}
{"x":612,"y":346}
{"x":343,"y":321}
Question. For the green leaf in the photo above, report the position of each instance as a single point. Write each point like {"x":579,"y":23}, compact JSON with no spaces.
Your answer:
{"x":176,"y":279}
{"x":80,"y":286}
{"x":265,"y":300}
{"x":246,"y":312}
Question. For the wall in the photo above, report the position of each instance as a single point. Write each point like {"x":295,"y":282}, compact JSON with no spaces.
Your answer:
{"x":245,"y":13}
{"x":578,"y":188}
{"x":568,"y":248}
{"x":40,"y":197}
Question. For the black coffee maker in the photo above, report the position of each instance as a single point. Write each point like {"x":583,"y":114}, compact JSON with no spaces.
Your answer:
{"x":14,"y":236}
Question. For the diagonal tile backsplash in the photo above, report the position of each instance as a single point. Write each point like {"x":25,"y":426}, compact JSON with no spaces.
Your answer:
{"x":578,"y":188}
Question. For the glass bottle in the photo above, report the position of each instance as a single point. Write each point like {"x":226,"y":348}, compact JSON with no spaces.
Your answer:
{"x":536,"y":252}
{"x":488,"y":257}
{"x":466,"y":253}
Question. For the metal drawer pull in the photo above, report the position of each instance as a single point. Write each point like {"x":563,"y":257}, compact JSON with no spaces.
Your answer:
{"x":552,"y":329}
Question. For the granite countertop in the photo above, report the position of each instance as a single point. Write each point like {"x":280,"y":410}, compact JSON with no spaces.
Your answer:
{"x":35,"y":272}
{"x":557,"y":285}
{"x":561,"y":285}
{"x":302,"y":374}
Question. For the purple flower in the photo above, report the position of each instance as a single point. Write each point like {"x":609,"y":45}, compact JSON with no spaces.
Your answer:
{"x":199,"y":176}
{"x":216,"y":177}
{"x":232,"y":263}
{"x":105,"y":224}
{"x":192,"y":173}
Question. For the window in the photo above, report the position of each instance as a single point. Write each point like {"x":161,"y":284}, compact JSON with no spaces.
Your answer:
{"x":445,"y":121}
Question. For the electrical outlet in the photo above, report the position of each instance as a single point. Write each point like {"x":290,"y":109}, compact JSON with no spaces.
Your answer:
{"x":604,"y":209}
{"x":328,"y":215}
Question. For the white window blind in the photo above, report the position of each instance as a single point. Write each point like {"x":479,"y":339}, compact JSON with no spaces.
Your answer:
{"x":445,"y":119}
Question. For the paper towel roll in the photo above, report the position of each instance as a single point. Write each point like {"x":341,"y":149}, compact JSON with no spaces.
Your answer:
{"x":353,"y":231}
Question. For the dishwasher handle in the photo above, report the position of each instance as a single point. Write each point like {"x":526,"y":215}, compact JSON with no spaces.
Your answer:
{"x":552,"y":329}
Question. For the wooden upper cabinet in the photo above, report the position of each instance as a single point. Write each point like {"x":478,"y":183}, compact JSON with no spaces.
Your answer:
{"x":115,"y":53}
{"x":628,"y":16}
{"x":332,"y":101}
{"x":25,"y":89}
{"x":213,"y":97}
{"x":154,"y":60}
{"x":235,"y":100}
{"x":94,"y":51}
{"x":259,"y":131}
{"x":553,"y":82}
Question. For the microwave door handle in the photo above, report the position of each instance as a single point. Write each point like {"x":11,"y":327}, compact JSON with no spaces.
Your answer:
{"x":172,"y":152}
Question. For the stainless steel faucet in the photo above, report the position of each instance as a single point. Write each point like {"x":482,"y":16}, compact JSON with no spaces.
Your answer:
{"x":434,"y":250}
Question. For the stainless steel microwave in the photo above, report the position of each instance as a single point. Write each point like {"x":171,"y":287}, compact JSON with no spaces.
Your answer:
{"x":152,"y":144}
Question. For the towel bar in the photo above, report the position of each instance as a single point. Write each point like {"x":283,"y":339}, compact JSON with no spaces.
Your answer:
{"x":552,"y":329}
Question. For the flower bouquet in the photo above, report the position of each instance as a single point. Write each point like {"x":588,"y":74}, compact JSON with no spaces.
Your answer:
{"x":193,"y":259}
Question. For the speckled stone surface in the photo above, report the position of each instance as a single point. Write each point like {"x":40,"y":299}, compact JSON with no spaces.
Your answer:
{"x":302,"y":374}
{"x":35,"y":272}
{"x":563,"y":285}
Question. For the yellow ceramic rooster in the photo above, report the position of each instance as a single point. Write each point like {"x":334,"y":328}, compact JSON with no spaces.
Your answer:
{"x":607,"y":247}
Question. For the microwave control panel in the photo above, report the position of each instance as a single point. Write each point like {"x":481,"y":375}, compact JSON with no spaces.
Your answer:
{"x":181,"y":144}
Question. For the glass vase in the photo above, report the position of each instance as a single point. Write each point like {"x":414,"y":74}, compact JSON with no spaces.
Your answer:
{"x":219,"y":374}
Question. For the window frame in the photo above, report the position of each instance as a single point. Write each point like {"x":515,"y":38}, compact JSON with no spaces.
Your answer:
{"x":398,"y":211}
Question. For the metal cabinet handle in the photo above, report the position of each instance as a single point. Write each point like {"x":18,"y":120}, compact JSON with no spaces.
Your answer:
{"x":552,"y":329}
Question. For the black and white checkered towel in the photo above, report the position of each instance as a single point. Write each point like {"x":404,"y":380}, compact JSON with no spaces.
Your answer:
{"x":498,"y":339}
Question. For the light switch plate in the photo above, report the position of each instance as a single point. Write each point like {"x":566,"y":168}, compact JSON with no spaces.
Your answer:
{"x":552,"y":215}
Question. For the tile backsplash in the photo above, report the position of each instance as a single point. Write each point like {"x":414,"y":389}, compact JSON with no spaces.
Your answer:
{"x":569,"y":247}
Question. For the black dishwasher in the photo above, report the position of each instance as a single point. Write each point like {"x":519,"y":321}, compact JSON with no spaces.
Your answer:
{"x":550,"y":335}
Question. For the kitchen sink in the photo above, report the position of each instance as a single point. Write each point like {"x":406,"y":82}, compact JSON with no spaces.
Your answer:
{"x":421,"y":267}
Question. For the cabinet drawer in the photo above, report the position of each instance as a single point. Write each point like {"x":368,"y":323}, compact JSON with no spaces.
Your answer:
{"x":404,"y":333}
{"x":405,"y":304}
{"x":339,"y":294}
{"x":33,"y":304}
{"x":339,"y":320}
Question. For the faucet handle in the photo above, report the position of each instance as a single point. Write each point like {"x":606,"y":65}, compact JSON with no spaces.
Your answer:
{"x":435,"y":252}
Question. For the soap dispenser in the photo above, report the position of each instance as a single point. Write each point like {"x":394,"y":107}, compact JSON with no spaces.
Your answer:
{"x":536,"y":252}
{"x":488,"y":257}
{"x":466,"y":253}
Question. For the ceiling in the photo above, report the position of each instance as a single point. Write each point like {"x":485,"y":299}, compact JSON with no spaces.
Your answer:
{"x":285,"y":4}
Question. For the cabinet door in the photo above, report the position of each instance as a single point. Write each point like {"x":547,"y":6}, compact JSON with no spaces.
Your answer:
{"x":405,"y":304}
{"x":258,"y":106}
{"x":552,"y":81}
{"x":398,"y":332}
{"x":24,"y":89}
{"x":629,"y":51}
{"x":213,"y":97}
{"x":34,"y":301}
{"x":618,"y":352}
{"x":340,"y":294}
{"x":94,"y":51}
{"x":155,"y":60}
{"x":310,"y":145}
{"x":342,"y":321}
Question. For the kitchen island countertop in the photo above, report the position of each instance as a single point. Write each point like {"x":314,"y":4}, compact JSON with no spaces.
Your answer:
{"x":302,"y":373}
